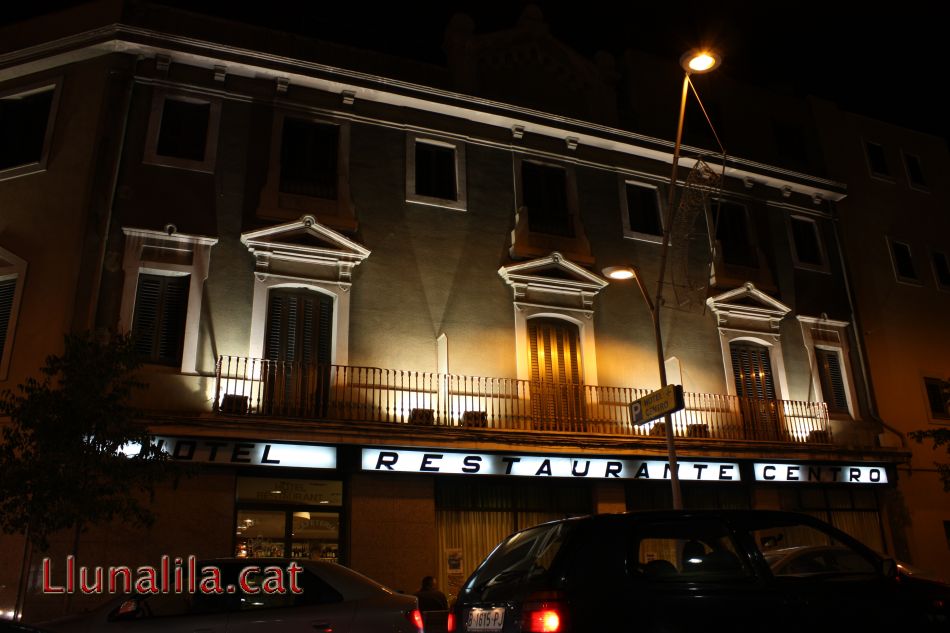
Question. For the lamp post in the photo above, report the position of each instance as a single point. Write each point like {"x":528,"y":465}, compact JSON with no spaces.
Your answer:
{"x":693,"y":62}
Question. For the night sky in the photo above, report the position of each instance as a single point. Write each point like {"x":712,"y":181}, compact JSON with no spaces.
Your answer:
{"x":882,"y":64}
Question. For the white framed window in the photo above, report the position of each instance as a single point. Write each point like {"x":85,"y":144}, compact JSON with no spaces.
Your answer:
{"x":829,"y":356}
{"x":435,"y":172}
{"x":165,"y":272}
{"x":808,"y":249}
{"x":938,"y":398}
{"x":307,"y":260}
{"x":941,"y":268}
{"x":12,"y":280}
{"x":877,"y":161}
{"x":183,"y":131}
{"x":914,"y":169}
{"x":27,"y":115}
{"x":555,"y":289}
{"x":902,"y":259}
{"x":641,"y":211}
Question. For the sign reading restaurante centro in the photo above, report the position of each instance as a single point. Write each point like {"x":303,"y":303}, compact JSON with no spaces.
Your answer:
{"x":455,"y":463}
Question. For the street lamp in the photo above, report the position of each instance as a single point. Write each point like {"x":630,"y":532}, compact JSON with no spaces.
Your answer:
{"x":693,"y":62}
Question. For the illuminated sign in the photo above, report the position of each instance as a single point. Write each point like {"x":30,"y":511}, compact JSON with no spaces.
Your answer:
{"x":240,"y":452}
{"x":450,"y":463}
{"x":820,"y":473}
{"x":656,"y":404}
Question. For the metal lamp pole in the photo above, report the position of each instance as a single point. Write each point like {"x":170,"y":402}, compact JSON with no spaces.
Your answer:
{"x":692,"y":62}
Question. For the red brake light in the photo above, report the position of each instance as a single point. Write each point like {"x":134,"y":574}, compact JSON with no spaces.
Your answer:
{"x":543,"y":613}
{"x":450,"y":623}
{"x":415,"y":616}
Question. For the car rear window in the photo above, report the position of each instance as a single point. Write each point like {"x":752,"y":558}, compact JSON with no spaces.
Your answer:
{"x":525,"y":554}
{"x":686,"y":550}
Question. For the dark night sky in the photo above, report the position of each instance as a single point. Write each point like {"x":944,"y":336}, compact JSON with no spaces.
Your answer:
{"x":880,"y":64}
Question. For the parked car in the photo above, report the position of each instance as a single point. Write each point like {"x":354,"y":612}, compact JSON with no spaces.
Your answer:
{"x":689,"y":571}
{"x":331,"y":598}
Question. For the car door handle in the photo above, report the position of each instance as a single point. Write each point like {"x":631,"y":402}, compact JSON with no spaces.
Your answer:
{"x":323,"y":627}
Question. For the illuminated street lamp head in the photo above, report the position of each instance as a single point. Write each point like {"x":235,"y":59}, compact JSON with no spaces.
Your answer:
{"x":619,"y":272}
{"x":699,"y":61}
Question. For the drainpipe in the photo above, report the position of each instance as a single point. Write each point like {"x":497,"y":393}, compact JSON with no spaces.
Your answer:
{"x":859,"y":337}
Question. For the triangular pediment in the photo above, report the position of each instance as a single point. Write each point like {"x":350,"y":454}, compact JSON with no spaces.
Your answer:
{"x":294,"y":246}
{"x":747,"y":304}
{"x":545,"y":278}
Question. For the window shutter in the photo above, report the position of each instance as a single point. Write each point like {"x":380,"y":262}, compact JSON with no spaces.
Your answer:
{"x":299,"y":327}
{"x":158,"y":324}
{"x":752,"y":371}
{"x":7,"y":289}
{"x":832,"y":380}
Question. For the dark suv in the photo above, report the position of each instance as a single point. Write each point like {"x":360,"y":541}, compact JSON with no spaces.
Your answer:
{"x":692,"y":571}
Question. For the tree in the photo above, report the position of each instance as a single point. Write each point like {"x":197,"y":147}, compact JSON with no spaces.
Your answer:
{"x":940,"y":436}
{"x":61,"y":459}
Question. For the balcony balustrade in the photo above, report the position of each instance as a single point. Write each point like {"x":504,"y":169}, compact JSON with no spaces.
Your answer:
{"x":280,"y":389}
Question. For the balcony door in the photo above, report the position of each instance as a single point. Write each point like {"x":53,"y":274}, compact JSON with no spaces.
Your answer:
{"x":299,"y":335}
{"x":556,"y":388}
{"x":755,"y":386}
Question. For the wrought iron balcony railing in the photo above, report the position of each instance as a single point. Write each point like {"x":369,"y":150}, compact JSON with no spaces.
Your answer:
{"x":253,"y":386}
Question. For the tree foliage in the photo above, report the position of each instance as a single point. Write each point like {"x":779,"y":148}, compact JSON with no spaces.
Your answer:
{"x":61,"y":464}
{"x":940,"y":437}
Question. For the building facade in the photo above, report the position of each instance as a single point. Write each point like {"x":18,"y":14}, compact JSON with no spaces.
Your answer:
{"x":370,"y":302}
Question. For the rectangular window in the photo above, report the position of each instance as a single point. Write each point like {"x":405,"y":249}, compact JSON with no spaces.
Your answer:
{"x":545,"y":197}
{"x":184,"y":129}
{"x":24,"y":122}
{"x":435,"y":171}
{"x":941,"y":265}
{"x":938,"y":396}
{"x":876,"y":159}
{"x":915,"y":171}
{"x":903,"y":260}
{"x":832,"y":380}
{"x":308,"y":158}
{"x":7,"y":290}
{"x":158,"y":322}
{"x":643,"y":211}
{"x":732,"y":233}
{"x":807,"y":243}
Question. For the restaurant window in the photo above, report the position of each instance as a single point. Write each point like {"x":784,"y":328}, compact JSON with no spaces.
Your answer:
{"x":183,"y":132}
{"x":544,"y":196}
{"x":938,"y":397}
{"x":26,"y":120}
{"x":877,"y":161}
{"x":435,"y":172}
{"x":642,"y":218}
{"x":158,"y":322}
{"x":903,"y":261}
{"x":915,"y":171}
{"x":308,"y":158}
{"x":732,"y":234}
{"x":472,"y":517}
{"x":853,"y":511}
{"x":807,"y":248}
{"x":830,"y":376}
{"x":941,"y":266}
{"x":647,"y":495}
{"x":289,"y":518}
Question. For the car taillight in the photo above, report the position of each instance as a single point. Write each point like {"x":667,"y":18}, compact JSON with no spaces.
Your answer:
{"x":543,"y":613}
{"x":450,"y":623}
{"x":415,"y":616}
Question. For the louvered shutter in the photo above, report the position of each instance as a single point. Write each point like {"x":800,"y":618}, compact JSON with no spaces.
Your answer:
{"x":7,"y":289}
{"x":752,"y":371}
{"x":556,"y":390}
{"x":832,"y":380}
{"x":158,"y":323}
{"x":299,"y":327}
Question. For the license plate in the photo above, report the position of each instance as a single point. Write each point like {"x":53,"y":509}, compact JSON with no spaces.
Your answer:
{"x":485,"y":619}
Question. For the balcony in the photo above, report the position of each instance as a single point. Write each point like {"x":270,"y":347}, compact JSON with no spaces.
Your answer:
{"x":257,"y":387}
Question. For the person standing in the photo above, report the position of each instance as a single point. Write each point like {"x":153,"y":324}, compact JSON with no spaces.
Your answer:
{"x":430,"y":598}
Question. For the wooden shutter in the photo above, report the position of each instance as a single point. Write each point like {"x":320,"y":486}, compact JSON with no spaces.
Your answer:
{"x":832,"y":380}
{"x":299,"y":327}
{"x":7,"y":290}
{"x":752,"y":371}
{"x":158,"y":324}
{"x":557,"y":395}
